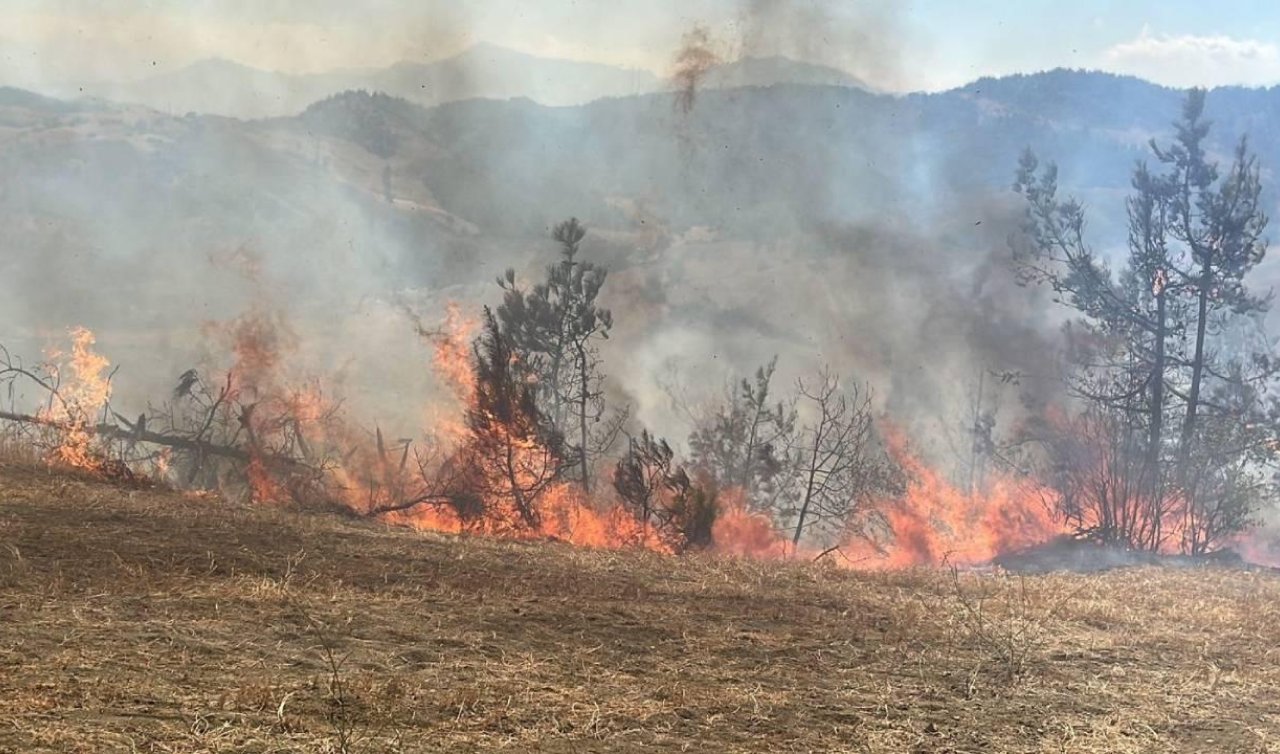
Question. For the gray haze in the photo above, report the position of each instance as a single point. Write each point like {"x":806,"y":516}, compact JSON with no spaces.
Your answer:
{"x":789,"y":211}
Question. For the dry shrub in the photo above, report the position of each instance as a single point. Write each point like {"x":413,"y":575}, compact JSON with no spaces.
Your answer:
{"x":1006,"y":622}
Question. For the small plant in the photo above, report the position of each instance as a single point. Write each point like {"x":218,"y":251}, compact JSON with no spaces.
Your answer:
{"x":341,"y":708}
{"x":339,"y":700}
{"x":1008,"y":625}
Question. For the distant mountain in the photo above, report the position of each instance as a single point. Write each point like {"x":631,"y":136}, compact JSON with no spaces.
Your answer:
{"x":770,"y":71}
{"x":760,"y":158}
{"x":221,"y":87}
{"x":757,"y":162}
{"x":11,"y":97}
{"x":848,"y":195}
{"x":485,"y":71}
{"x":493,"y":72}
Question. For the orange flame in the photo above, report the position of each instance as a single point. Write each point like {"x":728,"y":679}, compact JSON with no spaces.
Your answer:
{"x":739,"y":532}
{"x":934,"y":522}
{"x":84,"y":388}
{"x":452,"y":345}
{"x":292,"y":416}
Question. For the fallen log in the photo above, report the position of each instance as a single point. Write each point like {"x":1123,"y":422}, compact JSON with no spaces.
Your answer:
{"x":115,"y":432}
{"x":134,"y":434}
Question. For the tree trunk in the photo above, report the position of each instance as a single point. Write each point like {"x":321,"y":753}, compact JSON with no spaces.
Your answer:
{"x":750,"y":455}
{"x":1197,"y":373}
{"x":808,"y":491}
{"x":517,"y":494}
{"x":583,"y":390}
{"x":975,"y":429}
{"x":1154,"y":438}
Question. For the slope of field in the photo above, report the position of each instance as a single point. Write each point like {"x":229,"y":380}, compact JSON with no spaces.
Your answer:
{"x":150,"y":621}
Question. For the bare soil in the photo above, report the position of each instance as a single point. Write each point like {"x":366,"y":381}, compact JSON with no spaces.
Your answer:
{"x":141,"y":620}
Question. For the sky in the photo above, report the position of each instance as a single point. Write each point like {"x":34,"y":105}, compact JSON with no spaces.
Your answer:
{"x":894,"y":44}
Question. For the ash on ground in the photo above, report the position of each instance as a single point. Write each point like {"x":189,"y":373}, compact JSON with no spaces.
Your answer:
{"x":1081,"y":555}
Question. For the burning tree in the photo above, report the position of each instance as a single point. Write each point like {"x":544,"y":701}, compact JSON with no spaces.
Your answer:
{"x":840,"y":467}
{"x":513,"y":454}
{"x":643,"y":475}
{"x":76,"y":402}
{"x":1194,"y":235}
{"x":554,"y":328}
{"x":658,"y":493}
{"x":1098,"y":470}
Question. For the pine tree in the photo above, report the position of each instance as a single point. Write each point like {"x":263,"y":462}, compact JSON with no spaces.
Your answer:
{"x":515,"y":453}
{"x":555,"y":327}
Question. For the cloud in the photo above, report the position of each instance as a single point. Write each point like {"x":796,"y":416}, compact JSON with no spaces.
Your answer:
{"x":1190,"y":60}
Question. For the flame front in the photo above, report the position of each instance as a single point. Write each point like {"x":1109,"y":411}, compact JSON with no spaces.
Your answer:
{"x":300,"y":443}
{"x":934,"y":522}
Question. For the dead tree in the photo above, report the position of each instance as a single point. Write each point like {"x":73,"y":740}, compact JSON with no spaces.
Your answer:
{"x":841,"y":465}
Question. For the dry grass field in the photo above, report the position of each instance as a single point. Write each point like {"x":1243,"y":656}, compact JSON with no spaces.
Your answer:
{"x":151,"y":621}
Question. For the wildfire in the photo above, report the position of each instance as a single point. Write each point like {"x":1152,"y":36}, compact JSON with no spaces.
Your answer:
{"x":452,"y":346}
{"x":83,"y":389}
{"x":739,"y":532}
{"x":935,"y":522}
{"x":299,"y":441}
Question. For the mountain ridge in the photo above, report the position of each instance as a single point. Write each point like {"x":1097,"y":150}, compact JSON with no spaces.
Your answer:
{"x":220,"y":86}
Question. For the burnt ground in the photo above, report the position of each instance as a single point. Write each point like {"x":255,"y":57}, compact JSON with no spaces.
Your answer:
{"x":1066,"y":553}
{"x":150,"y":621}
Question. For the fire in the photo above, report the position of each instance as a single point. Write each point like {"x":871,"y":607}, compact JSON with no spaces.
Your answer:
{"x":83,"y":390}
{"x":452,"y":347}
{"x":292,"y":416}
{"x":934,"y":522}
{"x":299,"y":444}
{"x":570,"y":516}
{"x":739,"y":532}
{"x":89,"y":388}
{"x":263,"y":487}
{"x":427,"y":518}
{"x":1259,"y":547}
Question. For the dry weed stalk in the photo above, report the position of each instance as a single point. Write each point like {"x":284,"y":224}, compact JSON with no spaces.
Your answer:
{"x":1012,"y":632}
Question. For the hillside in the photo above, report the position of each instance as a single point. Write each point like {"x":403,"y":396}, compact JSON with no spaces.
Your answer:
{"x":119,"y":216}
{"x":144,"y":620}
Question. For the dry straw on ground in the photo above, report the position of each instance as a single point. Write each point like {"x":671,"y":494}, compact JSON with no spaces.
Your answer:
{"x":150,"y":621}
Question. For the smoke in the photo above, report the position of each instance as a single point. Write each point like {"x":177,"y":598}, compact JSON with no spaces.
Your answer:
{"x":695,"y":57}
{"x":921,"y":318}
{"x":790,"y":223}
{"x":860,"y":38}
{"x":886,"y":265}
